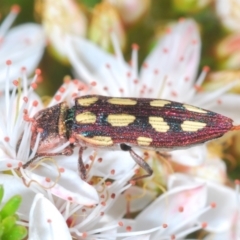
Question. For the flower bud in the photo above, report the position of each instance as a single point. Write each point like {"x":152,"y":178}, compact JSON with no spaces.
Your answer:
{"x":228,"y":51}
{"x":229,"y":13}
{"x":190,"y":5}
{"x":216,"y":80}
{"x":131,"y":11}
{"x":59,"y":19}
{"x":105,"y":20}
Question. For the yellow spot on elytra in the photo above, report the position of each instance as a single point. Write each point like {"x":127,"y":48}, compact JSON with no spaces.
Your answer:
{"x":86,"y":118}
{"x":122,"y":101}
{"x":191,"y":126}
{"x":159,"y":124}
{"x":120,"y":120}
{"x":85,"y":102}
{"x":194,"y":109}
{"x":159,"y":103}
{"x":97,"y":140}
{"x":144,"y":141}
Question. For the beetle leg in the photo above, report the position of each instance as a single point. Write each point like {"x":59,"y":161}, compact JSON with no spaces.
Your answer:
{"x":67,"y":152}
{"x":81,"y":166}
{"x":138,"y":160}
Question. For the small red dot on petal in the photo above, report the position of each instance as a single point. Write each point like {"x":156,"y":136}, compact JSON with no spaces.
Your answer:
{"x":72,"y":140}
{"x":213,"y":205}
{"x":101,"y":213}
{"x":61,"y":170}
{"x":57,"y":98}
{"x":128,"y":228}
{"x":237,"y":182}
{"x":164,"y":225}
{"x":25,"y":99}
{"x":49,"y":220}
{"x":84,"y":234}
{"x":35,"y":103}
{"x":20,"y":164}
{"x":8,"y":62}
{"x":145,"y":65}
{"x":99,"y":160}
{"x":108,"y":183}
{"x":9,"y":165}
{"x":206,"y":68}
{"x":34,"y":85}
{"x":113,"y":195}
{"x":108,"y":65}
{"x":173,"y":237}
{"x":135,"y":46}
{"x":132,"y":182}
{"x":39,"y":130}
{"x":194,"y":41}
{"x":180,"y":209}
{"x":165,"y":50}
{"x":103,"y":203}
{"x":168,"y":30}
{"x":204,"y":225}
{"x":112,"y":171}
{"x":47,"y":179}
{"x":15,"y":8}
{"x":62,"y":89}
{"x":174,"y":94}
{"x":182,"y":19}
{"x":6,"y":139}
{"x":38,"y":71}
{"x":15,"y":83}
{"x":120,"y":224}
{"x":93,"y":83}
{"x":70,"y":198}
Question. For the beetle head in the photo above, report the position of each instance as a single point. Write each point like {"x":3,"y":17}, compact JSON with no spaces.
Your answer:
{"x":50,"y":123}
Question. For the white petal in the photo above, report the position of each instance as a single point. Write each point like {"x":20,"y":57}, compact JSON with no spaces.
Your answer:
{"x":135,"y":198}
{"x":143,"y":237}
{"x":46,"y":222}
{"x":24,"y":46}
{"x":193,"y":156}
{"x":166,"y":59}
{"x":218,"y":219}
{"x":90,"y":63}
{"x":119,"y":161}
{"x":165,"y":209}
{"x":69,"y":186}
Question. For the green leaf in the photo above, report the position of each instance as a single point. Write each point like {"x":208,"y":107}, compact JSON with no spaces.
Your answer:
{"x":1,"y":230}
{"x":8,"y":223}
{"x":11,"y":206}
{"x":1,"y":193}
{"x":16,"y":233}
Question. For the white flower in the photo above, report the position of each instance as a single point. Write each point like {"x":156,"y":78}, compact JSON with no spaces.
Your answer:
{"x":23,"y":45}
{"x":221,"y":220}
{"x":189,"y":205}
{"x":60,"y":18}
{"x":228,"y":12}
